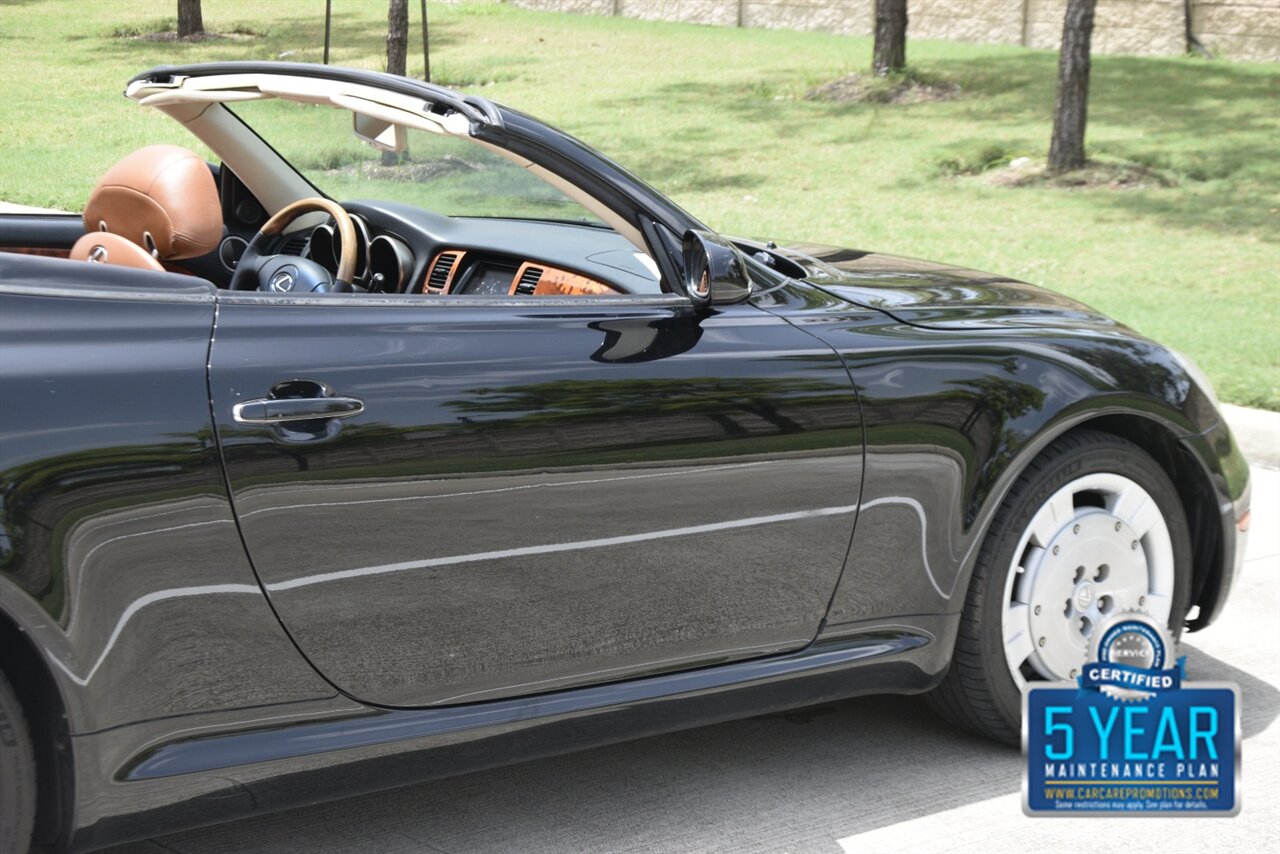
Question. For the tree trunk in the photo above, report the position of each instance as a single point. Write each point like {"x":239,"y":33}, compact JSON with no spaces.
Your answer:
{"x":397,"y":36}
{"x":1071,"y":112}
{"x":190,"y":21}
{"x":426,"y":52}
{"x":397,"y":49}
{"x":890,"y":53}
{"x":1194,"y":45}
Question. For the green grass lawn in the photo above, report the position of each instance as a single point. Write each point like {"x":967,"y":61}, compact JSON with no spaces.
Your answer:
{"x":717,"y":119}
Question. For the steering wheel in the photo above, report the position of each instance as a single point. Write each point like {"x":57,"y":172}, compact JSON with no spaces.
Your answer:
{"x":290,"y":273}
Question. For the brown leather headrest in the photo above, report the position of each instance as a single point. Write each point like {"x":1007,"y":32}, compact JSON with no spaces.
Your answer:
{"x":103,"y":247}
{"x":165,"y":192}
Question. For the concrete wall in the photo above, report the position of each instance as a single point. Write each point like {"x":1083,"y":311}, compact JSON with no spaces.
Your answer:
{"x":1141,"y":27}
{"x":1237,"y":29}
{"x":994,"y":21}
{"x":846,"y":17}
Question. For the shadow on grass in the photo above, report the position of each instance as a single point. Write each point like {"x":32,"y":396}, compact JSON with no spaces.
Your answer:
{"x":350,"y":33}
{"x":1162,"y":95}
{"x":1213,"y":128}
{"x":697,"y":159}
{"x":676,"y":174}
{"x":1219,"y":210}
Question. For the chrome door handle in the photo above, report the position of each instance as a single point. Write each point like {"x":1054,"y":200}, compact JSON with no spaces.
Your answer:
{"x":268,"y":410}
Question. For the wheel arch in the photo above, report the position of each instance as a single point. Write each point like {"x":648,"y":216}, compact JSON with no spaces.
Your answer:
{"x":1195,"y":492}
{"x":45,"y":711}
{"x":971,"y":694}
{"x":1160,"y":440}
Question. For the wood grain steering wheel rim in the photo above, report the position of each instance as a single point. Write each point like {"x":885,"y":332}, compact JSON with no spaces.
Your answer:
{"x":346,"y":230}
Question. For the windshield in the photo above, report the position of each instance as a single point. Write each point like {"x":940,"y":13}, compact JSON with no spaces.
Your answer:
{"x":440,"y":173}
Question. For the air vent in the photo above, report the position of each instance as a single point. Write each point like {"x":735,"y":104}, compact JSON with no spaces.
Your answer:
{"x":529,"y":281}
{"x":293,"y":245}
{"x":441,"y":271}
{"x":231,"y":250}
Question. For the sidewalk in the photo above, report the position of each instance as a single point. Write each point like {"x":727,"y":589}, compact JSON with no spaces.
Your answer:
{"x":11,"y":208}
{"x":1257,"y":433}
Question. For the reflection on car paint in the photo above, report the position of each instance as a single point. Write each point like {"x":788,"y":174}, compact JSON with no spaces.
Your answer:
{"x":554,"y":548}
{"x":525,"y":461}
{"x":109,"y":515}
{"x":620,"y":498}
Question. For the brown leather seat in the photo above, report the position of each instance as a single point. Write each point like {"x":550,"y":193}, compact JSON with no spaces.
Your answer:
{"x":157,"y":204}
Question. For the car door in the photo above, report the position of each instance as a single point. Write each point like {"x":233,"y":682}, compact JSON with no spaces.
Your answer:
{"x":452,"y":499}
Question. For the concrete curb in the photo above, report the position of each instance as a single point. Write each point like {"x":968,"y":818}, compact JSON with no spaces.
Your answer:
{"x":1257,"y":432}
{"x":10,"y":208}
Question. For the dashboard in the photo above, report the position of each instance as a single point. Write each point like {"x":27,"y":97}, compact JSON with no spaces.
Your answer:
{"x":383,"y":262}
{"x":402,"y":249}
{"x":457,"y":271}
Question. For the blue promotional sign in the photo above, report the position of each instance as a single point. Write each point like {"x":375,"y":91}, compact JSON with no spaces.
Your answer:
{"x":1174,"y":752}
{"x":1131,"y":737}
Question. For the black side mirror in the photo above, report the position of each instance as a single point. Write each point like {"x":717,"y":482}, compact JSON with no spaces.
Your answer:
{"x":715,"y":271}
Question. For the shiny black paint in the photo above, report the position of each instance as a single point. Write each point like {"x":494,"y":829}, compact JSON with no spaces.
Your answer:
{"x":939,"y":296}
{"x":527,"y":502}
{"x":45,"y":231}
{"x":952,"y":417}
{"x":949,"y":418}
{"x":371,"y":727}
{"x":715,"y":271}
{"x":124,"y":562}
{"x":340,"y":751}
{"x":915,"y":391}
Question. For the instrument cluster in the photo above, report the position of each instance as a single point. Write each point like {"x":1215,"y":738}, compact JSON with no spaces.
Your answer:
{"x":383,"y":263}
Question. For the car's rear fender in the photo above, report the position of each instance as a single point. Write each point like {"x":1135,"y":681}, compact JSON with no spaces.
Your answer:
{"x":123,"y":561}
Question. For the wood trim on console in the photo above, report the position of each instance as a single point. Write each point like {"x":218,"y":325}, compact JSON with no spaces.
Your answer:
{"x":558,"y":282}
{"x":175,"y":268}
{"x":448,"y":282}
{"x":50,"y":252}
{"x":554,"y":281}
{"x":37,"y":250}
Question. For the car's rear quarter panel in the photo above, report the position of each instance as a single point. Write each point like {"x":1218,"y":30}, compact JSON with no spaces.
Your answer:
{"x":115,"y":510}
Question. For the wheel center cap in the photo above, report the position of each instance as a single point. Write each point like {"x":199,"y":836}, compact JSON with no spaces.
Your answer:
{"x":1086,"y":595}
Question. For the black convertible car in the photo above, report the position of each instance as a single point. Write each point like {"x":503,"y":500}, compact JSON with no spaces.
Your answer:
{"x":394,"y":434}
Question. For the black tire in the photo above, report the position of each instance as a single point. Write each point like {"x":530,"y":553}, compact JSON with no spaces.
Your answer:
{"x":17,"y":775}
{"x":979,"y":693}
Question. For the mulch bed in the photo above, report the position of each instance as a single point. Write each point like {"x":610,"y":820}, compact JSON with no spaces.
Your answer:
{"x":868,"y":89}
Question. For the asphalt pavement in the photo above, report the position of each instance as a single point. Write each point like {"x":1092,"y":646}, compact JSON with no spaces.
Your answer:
{"x":873,"y":774}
